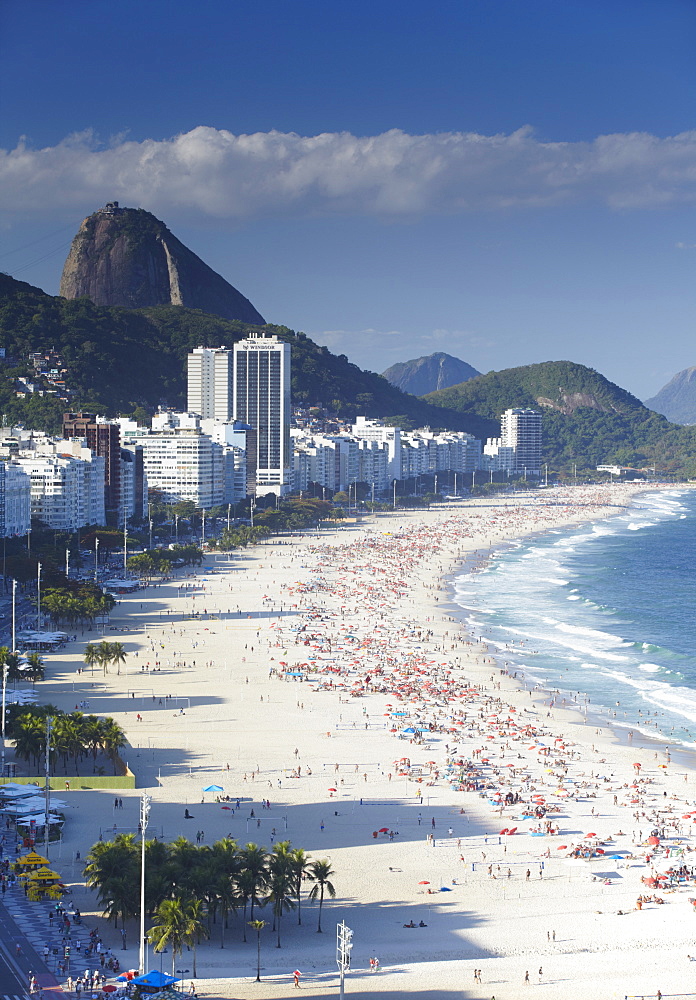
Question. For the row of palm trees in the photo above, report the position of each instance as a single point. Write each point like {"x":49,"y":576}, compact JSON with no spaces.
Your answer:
{"x":76,"y":605}
{"x":105,"y":654}
{"x":73,"y":737}
{"x":190,"y":888}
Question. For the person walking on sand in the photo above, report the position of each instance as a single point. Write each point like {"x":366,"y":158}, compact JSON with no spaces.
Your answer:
{"x":296,"y":978}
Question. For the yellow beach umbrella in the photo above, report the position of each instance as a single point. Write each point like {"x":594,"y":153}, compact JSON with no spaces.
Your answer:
{"x":44,"y":874}
{"x":27,"y":860}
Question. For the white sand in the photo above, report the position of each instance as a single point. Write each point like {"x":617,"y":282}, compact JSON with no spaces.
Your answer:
{"x":241,"y":717}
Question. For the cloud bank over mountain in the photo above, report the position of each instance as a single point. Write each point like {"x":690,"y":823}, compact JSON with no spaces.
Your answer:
{"x":391,"y":175}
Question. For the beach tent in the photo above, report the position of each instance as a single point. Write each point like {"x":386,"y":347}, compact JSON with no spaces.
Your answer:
{"x":155,"y":978}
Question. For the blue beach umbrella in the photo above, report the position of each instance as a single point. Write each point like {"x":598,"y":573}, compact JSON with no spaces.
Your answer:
{"x":214,"y":788}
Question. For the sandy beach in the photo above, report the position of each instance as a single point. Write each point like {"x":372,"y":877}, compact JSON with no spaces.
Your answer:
{"x":362,"y":613}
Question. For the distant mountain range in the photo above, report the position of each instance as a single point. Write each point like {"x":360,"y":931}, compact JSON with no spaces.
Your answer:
{"x":677,"y":399}
{"x":428,"y":374}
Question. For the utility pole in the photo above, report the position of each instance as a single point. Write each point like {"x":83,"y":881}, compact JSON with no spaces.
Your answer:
{"x":96,"y":558}
{"x":38,"y":596}
{"x":67,"y":562}
{"x":394,"y":504}
{"x":344,"y":946}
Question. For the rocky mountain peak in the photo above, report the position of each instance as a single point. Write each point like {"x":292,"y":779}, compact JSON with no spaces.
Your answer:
{"x":127,"y":257}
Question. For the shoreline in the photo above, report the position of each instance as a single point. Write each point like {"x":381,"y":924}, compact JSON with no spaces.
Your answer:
{"x":236,"y":721}
{"x":594,"y":715}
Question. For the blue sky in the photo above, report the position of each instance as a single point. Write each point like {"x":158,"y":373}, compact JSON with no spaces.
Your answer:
{"x":510,"y":182}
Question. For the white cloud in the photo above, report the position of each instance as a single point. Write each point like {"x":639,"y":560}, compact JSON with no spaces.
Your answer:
{"x":216,"y":173}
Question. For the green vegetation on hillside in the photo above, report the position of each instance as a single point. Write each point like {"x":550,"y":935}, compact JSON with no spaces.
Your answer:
{"x":118,"y":359}
{"x":586,"y":419}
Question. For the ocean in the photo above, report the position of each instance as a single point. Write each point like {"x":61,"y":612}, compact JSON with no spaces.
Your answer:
{"x":602,"y":612}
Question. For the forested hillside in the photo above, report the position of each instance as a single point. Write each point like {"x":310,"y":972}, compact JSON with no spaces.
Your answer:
{"x":587,"y":419}
{"x":119,"y":359}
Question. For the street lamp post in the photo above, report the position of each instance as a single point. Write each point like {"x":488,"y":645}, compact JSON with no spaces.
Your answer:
{"x":344,"y":946}
{"x":176,"y":528}
{"x":14,"y":615}
{"x":125,"y":540}
{"x":203,"y":531}
{"x":5,"y":670}
{"x":145,"y":804}
{"x":38,"y":596}
{"x":67,"y":562}
{"x":96,"y":558}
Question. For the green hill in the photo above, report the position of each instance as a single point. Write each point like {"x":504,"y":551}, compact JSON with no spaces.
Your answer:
{"x":587,"y":419}
{"x":118,"y":359}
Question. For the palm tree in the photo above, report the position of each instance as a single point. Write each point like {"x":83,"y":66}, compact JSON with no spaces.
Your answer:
{"x":254,"y":860}
{"x":245,"y":883}
{"x":300,"y":867}
{"x":194,"y":928}
{"x":258,"y":926}
{"x":35,"y":668}
{"x":120,"y":898}
{"x":281,"y":883}
{"x":104,"y":654}
{"x":92,"y":734}
{"x":281,"y":886}
{"x":118,"y":654}
{"x":12,"y":662}
{"x":29,"y":735}
{"x":91,"y":655}
{"x":113,"y":738}
{"x":321,"y":872}
{"x":170,"y":930}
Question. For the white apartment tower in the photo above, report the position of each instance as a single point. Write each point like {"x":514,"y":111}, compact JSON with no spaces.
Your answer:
{"x":210,"y":391}
{"x":521,"y":430}
{"x":262,"y":400}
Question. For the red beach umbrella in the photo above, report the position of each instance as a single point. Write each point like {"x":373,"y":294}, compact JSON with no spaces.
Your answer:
{"x":424,"y":882}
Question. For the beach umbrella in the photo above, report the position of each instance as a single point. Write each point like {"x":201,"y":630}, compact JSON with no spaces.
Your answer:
{"x":333,"y":789}
{"x":653,"y":841}
{"x":214,"y":788}
{"x":385,"y":829}
{"x":109,"y":988}
{"x":424,"y":882}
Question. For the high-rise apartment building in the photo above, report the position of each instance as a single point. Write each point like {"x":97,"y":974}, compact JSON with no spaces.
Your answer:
{"x":67,"y":483}
{"x":103,"y":439}
{"x":521,"y":430}
{"x":210,"y":390}
{"x":262,"y":400}
{"x":15,"y":499}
